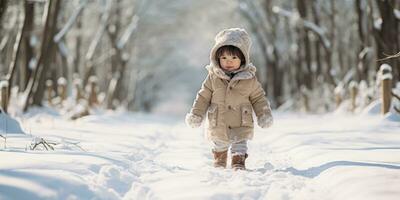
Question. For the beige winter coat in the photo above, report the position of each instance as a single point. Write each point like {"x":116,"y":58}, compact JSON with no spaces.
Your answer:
{"x":229,"y":104}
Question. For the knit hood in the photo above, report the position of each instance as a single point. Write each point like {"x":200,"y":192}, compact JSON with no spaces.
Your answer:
{"x":236,"y":37}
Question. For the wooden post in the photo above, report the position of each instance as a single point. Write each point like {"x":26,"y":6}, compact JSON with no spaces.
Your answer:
{"x":385,"y":76}
{"x":339,"y":93}
{"x":364,"y":94}
{"x":4,"y":95}
{"x":49,"y":89}
{"x":62,"y":88}
{"x":78,"y":90}
{"x":304,"y":96}
{"x":93,"y":91}
{"x":353,"y":94}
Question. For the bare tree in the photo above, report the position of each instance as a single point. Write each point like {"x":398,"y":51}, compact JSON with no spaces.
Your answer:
{"x":26,"y":71}
{"x":16,"y":49}
{"x":78,"y":45}
{"x":317,"y":43}
{"x":365,"y":46}
{"x":386,"y":36}
{"x":274,"y":64}
{"x":35,"y":89}
{"x":89,"y":56}
{"x":304,"y":46}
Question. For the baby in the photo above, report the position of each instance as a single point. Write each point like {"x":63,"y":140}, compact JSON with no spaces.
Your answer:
{"x":228,"y":96}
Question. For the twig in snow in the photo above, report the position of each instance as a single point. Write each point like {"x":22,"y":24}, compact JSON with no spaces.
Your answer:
{"x":41,"y":141}
{"x":76,"y":144}
{"x":5,"y":140}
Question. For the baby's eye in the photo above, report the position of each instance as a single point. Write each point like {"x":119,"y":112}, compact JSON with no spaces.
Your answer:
{"x":222,"y":57}
{"x":234,"y":57}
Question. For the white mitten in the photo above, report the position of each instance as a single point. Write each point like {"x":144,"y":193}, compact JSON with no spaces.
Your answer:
{"x":193,"y":121}
{"x":265,"y":121}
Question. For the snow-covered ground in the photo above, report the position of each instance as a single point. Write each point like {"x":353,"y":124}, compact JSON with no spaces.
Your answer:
{"x":120,"y":155}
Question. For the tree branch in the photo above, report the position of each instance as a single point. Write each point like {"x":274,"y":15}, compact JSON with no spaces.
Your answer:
{"x":71,"y":21}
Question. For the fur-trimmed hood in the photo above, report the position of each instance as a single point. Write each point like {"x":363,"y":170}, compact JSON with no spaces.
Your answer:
{"x":243,"y":73}
{"x":236,"y":37}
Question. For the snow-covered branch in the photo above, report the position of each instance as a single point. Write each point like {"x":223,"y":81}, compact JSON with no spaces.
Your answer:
{"x":397,"y":14}
{"x":295,"y":17}
{"x":63,"y":49}
{"x":253,"y":16}
{"x":390,"y":56}
{"x":71,"y":21}
{"x":99,"y":32}
{"x":258,"y":27}
{"x":3,"y":42}
{"x":128,"y":32}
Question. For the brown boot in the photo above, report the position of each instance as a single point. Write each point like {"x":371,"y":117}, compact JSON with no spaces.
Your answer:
{"x":220,"y":158}
{"x":238,"y":161}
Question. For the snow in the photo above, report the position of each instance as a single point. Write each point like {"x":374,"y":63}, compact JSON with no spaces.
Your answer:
{"x":9,"y":125}
{"x":122,"y":155}
{"x":396,"y":13}
{"x":378,"y":24}
{"x":62,"y":81}
{"x":4,"y":84}
{"x":385,"y":72}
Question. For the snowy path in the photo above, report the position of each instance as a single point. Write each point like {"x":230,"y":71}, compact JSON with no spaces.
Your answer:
{"x":133,"y":156}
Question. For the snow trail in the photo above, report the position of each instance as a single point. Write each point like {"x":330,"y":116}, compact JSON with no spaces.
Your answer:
{"x":138,"y":156}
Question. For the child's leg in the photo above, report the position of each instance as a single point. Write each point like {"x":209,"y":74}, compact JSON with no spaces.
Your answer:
{"x":239,"y":148}
{"x":220,"y":151}
{"x":219,"y":146}
{"x":239,"y":154}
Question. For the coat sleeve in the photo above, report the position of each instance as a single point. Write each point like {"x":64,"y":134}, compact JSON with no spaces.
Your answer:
{"x":260,"y":102}
{"x":203,"y":98}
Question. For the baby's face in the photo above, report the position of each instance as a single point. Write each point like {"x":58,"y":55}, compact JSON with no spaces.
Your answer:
{"x":229,"y":62}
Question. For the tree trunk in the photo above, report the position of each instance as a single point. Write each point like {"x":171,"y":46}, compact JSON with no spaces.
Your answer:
{"x":78,"y":45}
{"x":275,"y":73}
{"x":363,"y":29}
{"x":305,"y":46}
{"x":48,"y":53}
{"x":388,"y":43}
{"x":15,"y":55}
{"x":317,"y":43}
{"x":3,"y":8}
{"x":26,"y":35}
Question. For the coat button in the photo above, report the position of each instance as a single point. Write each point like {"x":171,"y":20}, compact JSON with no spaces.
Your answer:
{"x":229,"y":127}
{"x":229,"y":107}
{"x":230,"y":87}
